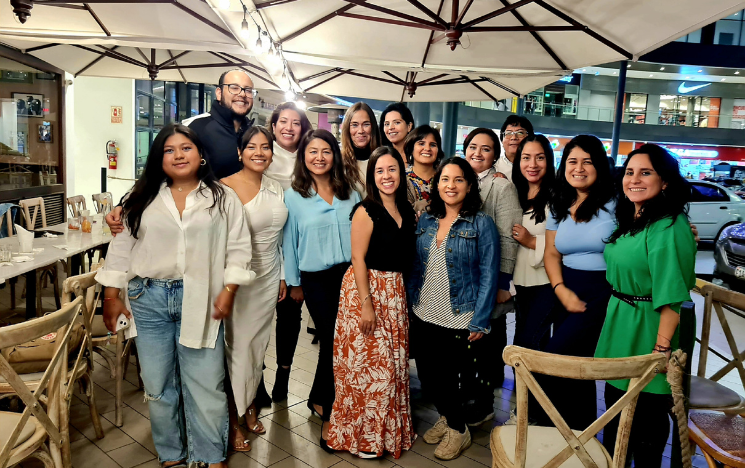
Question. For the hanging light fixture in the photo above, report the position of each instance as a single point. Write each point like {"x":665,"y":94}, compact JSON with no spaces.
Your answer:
{"x":245,"y":32}
{"x":266,"y":43}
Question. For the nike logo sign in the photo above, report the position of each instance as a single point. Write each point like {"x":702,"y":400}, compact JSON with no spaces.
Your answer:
{"x":683,"y":89}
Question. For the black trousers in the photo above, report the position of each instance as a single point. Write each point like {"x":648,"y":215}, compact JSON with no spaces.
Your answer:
{"x":535,"y":312}
{"x":446,"y":363}
{"x":289,"y":318}
{"x":575,"y":334}
{"x":489,"y":373}
{"x":649,"y":429}
{"x":321,"y":290}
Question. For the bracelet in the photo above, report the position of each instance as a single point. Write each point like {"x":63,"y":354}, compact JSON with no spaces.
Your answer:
{"x":668,"y":339}
{"x":363,"y":300}
{"x":557,"y":285}
{"x":661,"y":349}
{"x":227,"y":288}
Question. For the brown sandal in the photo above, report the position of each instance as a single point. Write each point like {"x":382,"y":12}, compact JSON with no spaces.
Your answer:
{"x":246,"y":444}
{"x":257,"y":428}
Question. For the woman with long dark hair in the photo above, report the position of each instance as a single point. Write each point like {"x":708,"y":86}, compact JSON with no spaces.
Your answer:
{"x":396,"y":122}
{"x":317,"y":249}
{"x":288,"y":124}
{"x":533,"y":174}
{"x":452,"y":290}
{"x":247,"y":332}
{"x":651,"y":261}
{"x":371,"y":344}
{"x":423,"y":150}
{"x":581,"y":222}
{"x":179,"y":295}
{"x":360,"y":136}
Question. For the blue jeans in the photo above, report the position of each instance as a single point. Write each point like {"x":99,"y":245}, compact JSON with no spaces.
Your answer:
{"x":183,"y":386}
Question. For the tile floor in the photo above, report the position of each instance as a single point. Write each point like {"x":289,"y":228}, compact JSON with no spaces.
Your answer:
{"x":291,"y":440}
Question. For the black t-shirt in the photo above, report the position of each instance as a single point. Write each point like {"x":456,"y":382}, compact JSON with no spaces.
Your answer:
{"x":391,"y":248}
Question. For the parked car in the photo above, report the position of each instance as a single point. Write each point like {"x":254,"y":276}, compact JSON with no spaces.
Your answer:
{"x":729,"y":254}
{"x":714,"y":208}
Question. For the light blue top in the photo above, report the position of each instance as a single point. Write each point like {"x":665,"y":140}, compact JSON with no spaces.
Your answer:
{"x":317,"y":235}
{"x":582,"y":244}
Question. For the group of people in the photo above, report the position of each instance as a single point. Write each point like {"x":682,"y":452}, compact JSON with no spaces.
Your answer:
{"x":397,"y":250}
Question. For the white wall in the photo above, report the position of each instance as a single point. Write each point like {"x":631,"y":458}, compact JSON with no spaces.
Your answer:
{"x":89,"y":127}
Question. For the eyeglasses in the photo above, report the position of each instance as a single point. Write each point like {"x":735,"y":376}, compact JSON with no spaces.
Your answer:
{"x":518,"y":134}
{"x":236,"y":90}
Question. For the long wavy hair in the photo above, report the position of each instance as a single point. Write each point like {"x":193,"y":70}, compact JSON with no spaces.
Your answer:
{"x":405,"y":113}
{"x":347,"y":147}
{"x":601,"y":192}
{"x":669,"y":203}
{"x":472,"y":202}
{"x":148,"y":185}
{"x":538,"y":203}
{"x":305,"y":125}
{"x":373,"y":192}
{"x":418,"y":134}
{"x":341,"y":181}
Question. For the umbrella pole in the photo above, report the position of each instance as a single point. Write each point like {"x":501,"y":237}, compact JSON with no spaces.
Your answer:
{"x":618,"y":118}
{"x":449,"y":127}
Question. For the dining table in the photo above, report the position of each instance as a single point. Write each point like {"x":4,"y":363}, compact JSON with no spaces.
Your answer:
{"x":58,"y":243}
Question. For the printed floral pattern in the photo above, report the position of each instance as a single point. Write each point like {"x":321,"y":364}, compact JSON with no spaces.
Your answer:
{"x":422,"y":186}
{"x":372,"y":412}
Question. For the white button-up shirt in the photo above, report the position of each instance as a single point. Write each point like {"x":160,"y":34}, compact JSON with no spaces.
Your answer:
{"x":203,"y":246}
{"x":504,"y":166}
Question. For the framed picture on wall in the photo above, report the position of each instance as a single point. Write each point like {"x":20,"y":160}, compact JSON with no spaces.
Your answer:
{"x":45,"y":132}
{"x":29,"y":104}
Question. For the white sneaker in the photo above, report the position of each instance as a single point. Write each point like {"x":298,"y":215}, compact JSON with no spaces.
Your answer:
{"x":437,"y":432}
{"x":453,"y":444}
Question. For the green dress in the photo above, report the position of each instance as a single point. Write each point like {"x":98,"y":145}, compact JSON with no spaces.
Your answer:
{"x":659,"y":262}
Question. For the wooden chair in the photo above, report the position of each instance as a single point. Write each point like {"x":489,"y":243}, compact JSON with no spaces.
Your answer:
{"x":521,"y":446}
{"x":103,"y":201}
{"x":76,"y":204}
{"x":100,"y":338}
{"x":31,"y":208}
{"x":12,"y":281}
{"x":41,"y":431}
{"x":715,"y":422}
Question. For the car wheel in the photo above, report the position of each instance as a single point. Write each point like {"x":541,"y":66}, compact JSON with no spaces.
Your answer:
{"x":719,"y":234}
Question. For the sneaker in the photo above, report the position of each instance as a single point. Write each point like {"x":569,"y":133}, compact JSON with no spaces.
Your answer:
{"x":437,"y":432}
{"x":478,"y":414}
{"x":513,"y":420}
{"x":453,"y":444}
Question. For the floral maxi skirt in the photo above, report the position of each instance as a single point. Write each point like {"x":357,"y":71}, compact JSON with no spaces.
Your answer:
{"x":371,"y":412}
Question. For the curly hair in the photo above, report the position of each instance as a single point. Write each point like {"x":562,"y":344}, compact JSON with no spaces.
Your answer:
{"x":472,"y":202}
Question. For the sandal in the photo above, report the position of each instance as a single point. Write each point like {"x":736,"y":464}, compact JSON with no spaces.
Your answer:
{"x":257,"y":428}
{"x":236,"y":443}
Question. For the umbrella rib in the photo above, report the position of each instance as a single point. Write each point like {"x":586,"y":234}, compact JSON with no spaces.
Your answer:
{"x":142,"y":54}
{"x":586,"y":29}
{"x":496,"y":13}
{"x":201,"y":18}
{"x":430,"y":13}
{"x":319,"y":74}
{"x":96,"y":18}
{"x":173,"y":59}
{"x":63,"y":5}
{"x":390,"y":21}
{"x":431,"y":35}
{"x":95,"y":61}
{"x":521,"y":28}
{"x":272,"y":3}
{"x":225,"y":54}
{"x":343,"y":72}
{"x":242,"y":65}
{"x":463,"y":13}
{"x":388,"y":11}
{"x":318,"y":22}
{"x":403,"y":91}
{"x":480,"y":88}
{"x":431,"y":79}
{"x":500,"y":85}
{"x":375,"y":78}
{"x":45,"y":46}
{"x":400,"y":81}
{"x":538,"y":38}
{"x":110,"y":53}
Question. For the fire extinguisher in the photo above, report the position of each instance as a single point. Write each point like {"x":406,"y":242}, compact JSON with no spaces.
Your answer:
{"x":112,"y":153}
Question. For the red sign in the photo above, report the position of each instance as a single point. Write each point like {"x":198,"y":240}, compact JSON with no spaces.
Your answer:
{"x":116,"y":114}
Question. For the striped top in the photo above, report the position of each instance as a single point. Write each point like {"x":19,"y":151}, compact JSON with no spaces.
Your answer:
{"x":434,"y":302}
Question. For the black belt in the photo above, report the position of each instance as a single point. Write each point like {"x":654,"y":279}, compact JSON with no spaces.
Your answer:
{"x":629,"y":299}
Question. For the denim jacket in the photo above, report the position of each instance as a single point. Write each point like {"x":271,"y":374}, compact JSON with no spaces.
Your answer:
{"x":473,"y":265}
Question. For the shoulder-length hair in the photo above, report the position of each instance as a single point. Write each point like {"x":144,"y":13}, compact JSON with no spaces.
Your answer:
{"x":484,"y":131}
{"x":305,"y":125}
{"x":341,"y":182}
{"x":472,"y":202}
{"x":347,"y":147}
{"x":418,"y":134}
{"x":373,"y":192}
{"x":148,"y":185}
{"x":601,"y":192}
{"x":405,"y":113}
{"x":539,"y":202}
{"x":252,"y":132}
{"x":669,"y":203}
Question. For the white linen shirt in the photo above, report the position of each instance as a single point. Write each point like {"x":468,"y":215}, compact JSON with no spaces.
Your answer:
{"x":504,"y":166}
{"x":203,"y":247}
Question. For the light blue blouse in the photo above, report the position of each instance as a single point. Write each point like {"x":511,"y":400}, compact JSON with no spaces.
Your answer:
{"x":317,"y":235}
{"x":582,"y":244}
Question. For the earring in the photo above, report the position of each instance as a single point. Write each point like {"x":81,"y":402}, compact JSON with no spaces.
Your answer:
{"x":204,"y":161}
{"x":240,"y":158}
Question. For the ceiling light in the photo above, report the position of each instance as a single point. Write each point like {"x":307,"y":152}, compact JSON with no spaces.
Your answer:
{"x":224,"y":4}
{"x":615,"y":73}
{"x":651,"y":75}
{"x":628,"y":65}
{"x":688,"y":77}
{"x":737,"y":73}
{"x":301,"y":105}
{"x":290,"y":96}
{"x":662,"y":68}
{"x":245,"y":33}
{"x":266,"y":42}
{"x":700,"y":71}
{"x":584,"y":69}
{"x":723,"y":79}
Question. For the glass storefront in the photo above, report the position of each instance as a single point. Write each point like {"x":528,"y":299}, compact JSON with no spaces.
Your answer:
{"x":30,"y":127}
